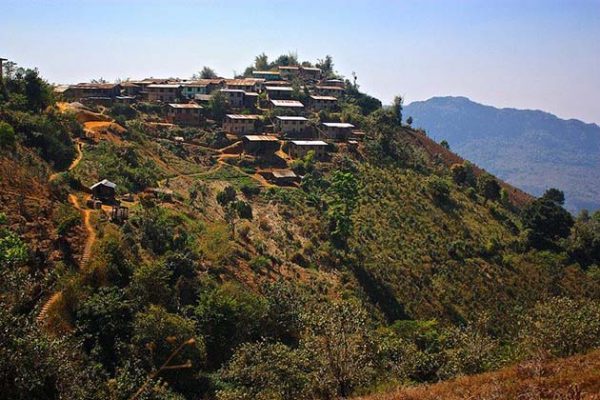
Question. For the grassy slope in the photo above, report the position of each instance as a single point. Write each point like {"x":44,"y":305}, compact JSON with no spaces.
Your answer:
{"x":574,"y":378}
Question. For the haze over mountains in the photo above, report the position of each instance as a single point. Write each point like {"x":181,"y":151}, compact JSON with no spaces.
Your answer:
{"x":532,"y":150}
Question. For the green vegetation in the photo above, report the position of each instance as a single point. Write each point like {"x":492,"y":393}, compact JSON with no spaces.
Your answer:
{"x":385,"y":266}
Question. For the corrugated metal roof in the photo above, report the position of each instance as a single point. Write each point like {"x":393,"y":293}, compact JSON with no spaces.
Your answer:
{"x":242,"y":116}
{"x":266,"y":72}
{"x":188,"y":105}
{"x":287,"y":103}
{"x":291,"y":118}
{"x":165,"y":86}
{"x":283,"y":173}
{"x":232,"y":91}
{"x":330,"y":88}
{"x":280,"y":88}
{"x":261,"y":138}
{"x":329,"y":98}
{"x":338,"y":125}
{"x":309,"y":143}
{"x":104,"y":182}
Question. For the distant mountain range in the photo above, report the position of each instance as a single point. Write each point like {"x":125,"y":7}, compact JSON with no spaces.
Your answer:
{"x":533,"y":150}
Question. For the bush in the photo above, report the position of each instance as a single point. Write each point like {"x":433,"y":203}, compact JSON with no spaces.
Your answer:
{"x":439,"y":189}
{"x":7,"y":136}
{"x":226,"y":196}
{"x":562,"y":327}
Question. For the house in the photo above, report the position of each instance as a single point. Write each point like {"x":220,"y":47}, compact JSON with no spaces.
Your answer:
{"x":289,"y":72}
{"x":104,"y":191}
{"x":336,"y":130}
{"x":250,"y":100}
{"x":267,"y":75}
{"x":300,"y":148}
{"x":279,"y":92}
{"x":247,"y":85}
{"x":240,"y":124}
{"x":189,"y":90}
{"x":260,"y":144}
{"x":131,"y":89}
{"x":87,"y":90}
{"x":310,"y":73}
{"x":281,"y":176}
{"x":1,"y":69}
{"x":184,"y":114}
{"x":334,"y":91}
{"x":293,"y":106}
{"x":202,"y":98}
{"x":334,"y":82}
{"x":163,"y":92}
{"x":235,"y":97}
{"x":291,"y":124}
{"x":319,"y":103}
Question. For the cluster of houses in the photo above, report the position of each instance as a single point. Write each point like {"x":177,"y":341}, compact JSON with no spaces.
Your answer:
{"x":248,"y":98}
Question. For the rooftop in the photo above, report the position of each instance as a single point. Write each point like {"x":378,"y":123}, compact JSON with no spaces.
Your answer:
{"x":266,"y":72}
{"x":186,"y":106}
{"x":289,"y":67}
{"x":241,"y":82}
{"x":309,"y":143}
{"x":327,"y":98}
{"x":165,"y":86}
{"x":291,"y":118}
{"x":287,"y":103}
{"x":94,"y":86}
{"x":338,"y":125}
{"x":232,"y":91}
{"x":280,"y":88}
{"x":283,"y":173}
{"x":261,"y":138}
{"x":242,"y":116}
{"x":104,"y":182}
{"x":330,"y":87}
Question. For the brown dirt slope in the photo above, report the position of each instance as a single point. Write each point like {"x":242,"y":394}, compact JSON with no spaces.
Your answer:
{"x":574,"y":378}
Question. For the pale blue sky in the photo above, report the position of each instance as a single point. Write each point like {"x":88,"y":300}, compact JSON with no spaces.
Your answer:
{"x":542,"y":54}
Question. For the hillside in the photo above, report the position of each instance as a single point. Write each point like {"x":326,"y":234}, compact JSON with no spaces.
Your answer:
{"x":532,"y":150}
{"x":563,"y":379}
{"x":146,"y":258}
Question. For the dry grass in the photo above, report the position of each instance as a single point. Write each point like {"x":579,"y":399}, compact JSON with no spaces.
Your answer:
{"x":574,"y":378}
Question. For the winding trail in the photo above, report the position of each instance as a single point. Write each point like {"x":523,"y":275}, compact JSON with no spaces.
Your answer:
{"x":57,"y":298}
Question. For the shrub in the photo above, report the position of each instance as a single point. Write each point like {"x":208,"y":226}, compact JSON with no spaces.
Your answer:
{"x":226,"y":196}
{"x":7,"y":136}
{"x":439,"y":189}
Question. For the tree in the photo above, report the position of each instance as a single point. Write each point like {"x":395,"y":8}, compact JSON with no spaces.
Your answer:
{"x":218,"y":106}
{"x":555,"y":195}
{"x":343,"y":196}
{"x":409,"y":121}
{"x":266,"y":371}
{"x":151,"y":284}
{"x":584,"y":242}
{"x":261,"y":62}
{"x":488,"y":187}
{"x":338,"y":343}
{"x":7,"y":136}
{"x":546,"y":222}
{"x":445,"y":144}
{"x":326,"y":66}
{"x":208,"y":73}
{"x":438,"y":189}
{"x":397,"y":109}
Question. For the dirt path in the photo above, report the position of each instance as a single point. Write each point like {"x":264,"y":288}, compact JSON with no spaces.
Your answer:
{"x":76,"y":161}
{"x":91,"y":238}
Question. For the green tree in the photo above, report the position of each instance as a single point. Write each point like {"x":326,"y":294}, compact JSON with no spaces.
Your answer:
{"x":343,"y":196}
{"x":546,"y":222}
{"x":409,"y":121}
{"x":266,"y":371}
{"x":218,"y":106}
{"x":339,"y":344}
{"x":208,"y":73}
{"x":555,"y":195}
{"x":326,"y":66}
{"x":445,"y":144}
{"x":439,"y":189}
{"x":397,"y":109}
{"x":7,"y":136}
{"x":488,"y":187}
{"x":151,"y":284}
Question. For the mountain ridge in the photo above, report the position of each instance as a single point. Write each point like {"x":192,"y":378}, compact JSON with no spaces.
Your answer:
{"x":531,"y":149}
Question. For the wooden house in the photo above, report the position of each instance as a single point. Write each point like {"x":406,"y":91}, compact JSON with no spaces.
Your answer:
{"x":279,"y":92}
{"x":318,"y":103}
{"x":336,"y":130}
{"x":267,"y":75}
{"x":293,"y":107}
{"x":260,"y":144}
{"x":235,"y":97}
{"x":334,"y":91}
{"x":104,"y":191}
{"x":300,"y":148}
{"x":291,"y":125}
{"x":165,"y":93}
{"x":281,"y":176}
{"x":240,"y":124}
{"x":289,"y":72}
{"x":184,"y":114}
{"x":92,"y":90}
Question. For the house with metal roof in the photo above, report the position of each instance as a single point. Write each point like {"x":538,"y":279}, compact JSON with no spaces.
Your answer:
{"x":104,"y":190}
{"x":334,"y":91}
{"x":293,"y":125}
{"x":288,"y":106}
{"x":189,"y":114}
{"x":300,"y":148}
{"x":318,"y":103}
{"x":279,"y":92}
{"x":235,"y":97}
{"x":260,"y":144}
{"x":162,"y":92}
{"x":267,"y":75}
{"x":240,"y":124}
{"x":336,"y":130}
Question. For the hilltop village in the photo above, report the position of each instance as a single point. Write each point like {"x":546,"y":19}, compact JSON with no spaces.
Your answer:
{"x":277,"y":115}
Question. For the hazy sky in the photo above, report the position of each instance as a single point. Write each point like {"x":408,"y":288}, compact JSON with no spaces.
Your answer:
{"x":526,"y":54}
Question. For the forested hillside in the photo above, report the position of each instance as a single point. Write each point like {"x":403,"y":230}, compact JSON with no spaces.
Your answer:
{"x":532,"y":150}
{"x":392,"y":262}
